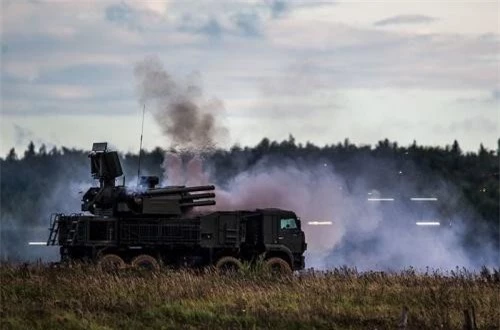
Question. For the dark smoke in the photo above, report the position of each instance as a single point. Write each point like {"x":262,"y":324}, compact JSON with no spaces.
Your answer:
{"x":191,"y":124}
{"x":187,"y":120}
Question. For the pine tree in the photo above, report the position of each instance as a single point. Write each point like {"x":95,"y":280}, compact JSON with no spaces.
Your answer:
{"x":42,"y":151}
{"x":30,"y":152}
{"x":11,"y":156}
{"x":455,"y":149}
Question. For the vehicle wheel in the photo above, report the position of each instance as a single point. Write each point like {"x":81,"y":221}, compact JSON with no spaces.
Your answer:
{"x":145,"y":261}
{"x":278,"y":265}
{"x":111,"y":262}
{"x":228,"y":265}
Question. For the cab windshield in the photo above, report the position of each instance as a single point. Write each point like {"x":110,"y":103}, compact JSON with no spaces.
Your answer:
{"x":288,"y":223}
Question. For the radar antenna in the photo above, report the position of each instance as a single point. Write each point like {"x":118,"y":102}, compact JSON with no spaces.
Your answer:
{"x":140,"y":146}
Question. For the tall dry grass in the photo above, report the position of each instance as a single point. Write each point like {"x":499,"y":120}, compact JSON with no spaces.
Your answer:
{"x":84,"y":297}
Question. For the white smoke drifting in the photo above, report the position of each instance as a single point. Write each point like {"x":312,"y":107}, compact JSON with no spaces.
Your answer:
{"x":62,"y":196}
{"x":362,"y":235}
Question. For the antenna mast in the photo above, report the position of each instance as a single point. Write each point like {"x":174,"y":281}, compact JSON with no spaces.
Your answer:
{"x":140,"y":145}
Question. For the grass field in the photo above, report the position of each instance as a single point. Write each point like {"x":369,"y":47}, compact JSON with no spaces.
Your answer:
{"x":84,"y":297}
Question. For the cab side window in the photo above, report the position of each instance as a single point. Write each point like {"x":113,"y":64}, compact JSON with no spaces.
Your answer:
{"x":288,"y":223}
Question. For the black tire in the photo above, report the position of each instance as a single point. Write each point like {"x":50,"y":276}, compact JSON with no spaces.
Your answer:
{"x":228,"y":265}
{"x":110,"y":262}
{"x":278,"y":266}
{"x":145,"y":261}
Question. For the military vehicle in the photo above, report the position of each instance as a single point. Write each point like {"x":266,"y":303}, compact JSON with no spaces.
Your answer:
{"x":149,"y":226}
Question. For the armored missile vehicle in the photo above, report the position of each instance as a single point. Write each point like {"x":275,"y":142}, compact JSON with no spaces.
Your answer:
{"x":149,"y":226}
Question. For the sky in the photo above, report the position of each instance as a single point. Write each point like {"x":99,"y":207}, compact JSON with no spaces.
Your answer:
{"x":322,"y":71}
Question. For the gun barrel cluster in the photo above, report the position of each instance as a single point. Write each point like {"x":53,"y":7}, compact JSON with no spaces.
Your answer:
{"x":200,"y":203}
{"x":178,"y":190}
{"x":184,"y":197}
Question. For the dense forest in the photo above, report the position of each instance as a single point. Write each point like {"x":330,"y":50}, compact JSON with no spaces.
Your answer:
{"x":36,"y":182}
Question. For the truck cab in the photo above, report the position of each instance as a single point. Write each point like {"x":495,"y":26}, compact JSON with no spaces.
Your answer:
{"x":279,"y":233}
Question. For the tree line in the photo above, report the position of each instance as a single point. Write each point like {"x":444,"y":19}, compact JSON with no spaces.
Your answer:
{"x":37,"y":181}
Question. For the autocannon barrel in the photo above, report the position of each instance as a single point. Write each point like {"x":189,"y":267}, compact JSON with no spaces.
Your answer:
{"x":197,"y":196}
{"x":167,"y":191}
{"x":199,"y":203}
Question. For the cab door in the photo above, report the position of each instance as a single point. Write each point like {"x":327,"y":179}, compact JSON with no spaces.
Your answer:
{"x":289,"y":233}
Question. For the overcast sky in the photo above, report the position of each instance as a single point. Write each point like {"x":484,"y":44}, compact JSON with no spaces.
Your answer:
{"x":322,"y":71}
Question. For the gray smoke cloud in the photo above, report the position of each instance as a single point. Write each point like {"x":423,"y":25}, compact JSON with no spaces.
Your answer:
{"x":186,"y":118}
{"x":174,"y":172}
{"x":190,"y":123}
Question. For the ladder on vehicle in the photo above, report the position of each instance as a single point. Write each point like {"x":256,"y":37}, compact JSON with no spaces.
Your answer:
{"x":73,"y":230}
{"x":53,"y":228}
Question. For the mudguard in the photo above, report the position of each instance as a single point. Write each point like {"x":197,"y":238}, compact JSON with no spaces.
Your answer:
{"x":280,"y":248}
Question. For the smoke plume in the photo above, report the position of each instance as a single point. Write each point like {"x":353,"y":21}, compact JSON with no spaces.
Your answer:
{"x":362,"y":234}
{"x":190,"y":123}
{"x":172,"y":164}
{"x":186,"y":119}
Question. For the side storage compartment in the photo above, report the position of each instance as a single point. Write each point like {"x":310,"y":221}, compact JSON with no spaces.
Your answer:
{"x":160,"y":231}
{"x":228,"y":230}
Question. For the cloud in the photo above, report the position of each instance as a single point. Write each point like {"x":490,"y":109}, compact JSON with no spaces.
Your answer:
{"x":232,"y":18}
{"x":238,"y":24}
{"x":279,"y":8}
{"x":248,"y":24}
{"x":157,"y":7}
{"x":475,"y":123}
{"x":121,"y":14}
{"x":406,"y":19}
{"x":491,"y":98}
{"x":212,"y":28}
{"x":209,"y":26}
{"x":137,"y":15}
{"x":495,"y":95}
{"x":80,"y":61}
{"x":366,"y":57}
{"x":338,"y":54}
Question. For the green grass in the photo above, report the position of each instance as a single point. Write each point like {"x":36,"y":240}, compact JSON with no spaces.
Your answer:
{"x":83,"y":297}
